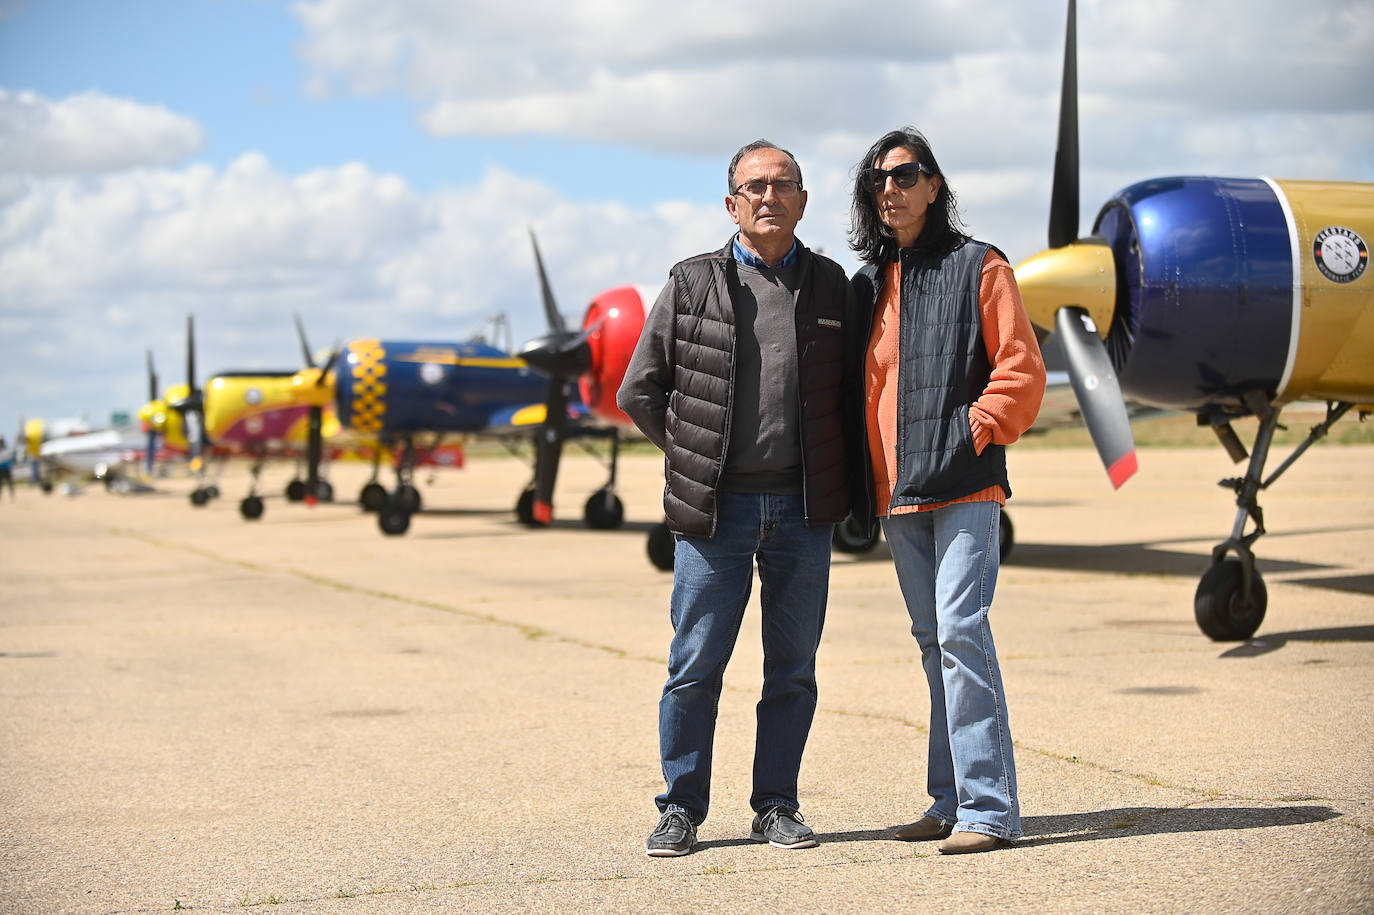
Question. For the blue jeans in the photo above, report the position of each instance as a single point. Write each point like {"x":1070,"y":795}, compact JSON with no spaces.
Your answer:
{"x":712,"y":578}
{"x":947,"y":562}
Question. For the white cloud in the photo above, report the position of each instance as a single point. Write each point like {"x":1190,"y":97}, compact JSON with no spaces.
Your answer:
{"x":94,"y":270}
{"x":90,"y":133}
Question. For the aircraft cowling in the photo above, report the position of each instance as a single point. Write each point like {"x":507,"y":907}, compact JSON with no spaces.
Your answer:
{"x":1204,"y":290}
{"x":405,"y":386}
{"x":612,"y":323}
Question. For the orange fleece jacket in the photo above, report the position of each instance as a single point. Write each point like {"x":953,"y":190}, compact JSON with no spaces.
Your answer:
{"x":1005,"y":410}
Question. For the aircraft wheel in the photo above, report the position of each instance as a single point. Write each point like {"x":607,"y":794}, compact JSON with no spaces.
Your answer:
{"x":408,"y":497}
{"x":393,"y":519}
{"x":324,"y":491}
{"x":662,"y":547}
{"x":849,"y":537}
{"x":604,"y":511}
{"x":251,"y":508}
{"x":199,"y":497}
{"x":524,"y":509}
{"x":295,"y":490}
{"x":1006,"y":537}
{"x":373,"y":497}
{"x":212,"y":492}
{"x":1220,"y":606}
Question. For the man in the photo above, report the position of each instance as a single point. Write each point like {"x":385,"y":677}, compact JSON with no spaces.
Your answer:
{"x":738,"y":376}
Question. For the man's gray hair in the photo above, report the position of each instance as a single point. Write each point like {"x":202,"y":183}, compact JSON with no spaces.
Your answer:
{"x":758,"y":144}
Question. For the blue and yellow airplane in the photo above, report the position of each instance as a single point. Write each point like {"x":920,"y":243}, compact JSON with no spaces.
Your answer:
{"x":1223,"y":297}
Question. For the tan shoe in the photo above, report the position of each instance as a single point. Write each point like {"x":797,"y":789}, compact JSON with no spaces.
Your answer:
{"x":924,"y":829}
{"x":964,"y":843}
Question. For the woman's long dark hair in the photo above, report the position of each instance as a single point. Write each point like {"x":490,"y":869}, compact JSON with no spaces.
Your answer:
{"x":873,"y":241}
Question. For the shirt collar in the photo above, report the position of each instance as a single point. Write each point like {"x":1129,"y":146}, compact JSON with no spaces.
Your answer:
{"x":750,"y":259}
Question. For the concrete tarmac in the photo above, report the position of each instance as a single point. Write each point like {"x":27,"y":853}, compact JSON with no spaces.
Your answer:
{"x":300,"y":714}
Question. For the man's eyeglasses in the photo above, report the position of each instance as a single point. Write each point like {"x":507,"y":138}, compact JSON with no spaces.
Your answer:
{"x":904,"y":176}
{"x":783,"y":187}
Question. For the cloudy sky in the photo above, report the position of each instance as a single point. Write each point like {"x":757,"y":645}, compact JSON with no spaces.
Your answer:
{"x":375,"y":166}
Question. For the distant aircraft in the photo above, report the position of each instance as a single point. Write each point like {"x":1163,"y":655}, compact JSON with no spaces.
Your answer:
{"x":1224,"y":297}
{"x":257,"y":414}
{"x":73,"y":448}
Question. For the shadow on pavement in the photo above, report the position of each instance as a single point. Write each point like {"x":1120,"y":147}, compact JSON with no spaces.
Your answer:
{"x":1273,"y":641}
{"x":1110,"y":824}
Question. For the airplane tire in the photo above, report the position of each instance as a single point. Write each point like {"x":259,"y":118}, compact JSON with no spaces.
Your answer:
{"x":524,"y":509}
{"x":662,"y":547}
{"x":1220,"y":607}
{"x":295,"y":490}
{"x":251,"y":508}
{"x":324,"y":491}
{"x":408,"y":497}
{"x":849,"y":537}
{"x":393,"y":519}
{"x":604,"y":511}
{"x":1006,"y":537}
{"x":212,"y":492}
{"x":373,"y":497}
{"x":199,"y":497}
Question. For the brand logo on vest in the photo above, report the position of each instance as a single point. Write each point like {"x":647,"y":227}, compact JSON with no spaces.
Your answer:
{"x":828,"y":322}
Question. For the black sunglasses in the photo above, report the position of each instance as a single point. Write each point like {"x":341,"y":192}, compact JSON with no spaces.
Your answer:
{"x":904,"y":176}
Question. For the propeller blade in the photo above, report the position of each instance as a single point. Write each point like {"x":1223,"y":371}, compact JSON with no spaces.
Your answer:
{"x":152,"y":377}
{"x":562,"y":354}
{"x":329,"y":363}
{"x":556,"y":322}
{"x":1064,"y":197}
{"x":1098,"y":392}
{"x":191,"y":353}
{"x":305,"y":347}
{"x":549,"y":449}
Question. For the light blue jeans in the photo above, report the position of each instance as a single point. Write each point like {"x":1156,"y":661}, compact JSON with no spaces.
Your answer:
{"x":712,"y":579}
{"x":947,"y":561}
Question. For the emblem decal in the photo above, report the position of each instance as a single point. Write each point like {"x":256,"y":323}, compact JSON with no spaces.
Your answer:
{"x":1341,"y":255}
{"x":431,"y":373}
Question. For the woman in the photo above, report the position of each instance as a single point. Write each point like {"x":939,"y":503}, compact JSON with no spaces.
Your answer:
{"x":952,"y":373}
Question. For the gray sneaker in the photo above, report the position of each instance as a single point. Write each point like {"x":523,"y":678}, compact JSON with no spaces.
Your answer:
{"x":782,"y":828}
{"x":675,"y":835}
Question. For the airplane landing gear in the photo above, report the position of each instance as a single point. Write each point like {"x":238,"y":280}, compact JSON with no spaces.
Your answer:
{"x":849,"y":537}
{"x":393,"y":517}
{"x":373,"y":497}
{"x":604,"y":511}
{"x":199,"y":496}
{"x":295,"y":490}
{"x":1231,"y":598}
{"x":524,"y":508}
{"x":251,"y":508}
{"x":662,"y":547}
{"x":1226,"y":607}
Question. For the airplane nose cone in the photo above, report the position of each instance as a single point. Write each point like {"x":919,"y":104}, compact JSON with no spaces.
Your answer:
{"x":1081,"y":275}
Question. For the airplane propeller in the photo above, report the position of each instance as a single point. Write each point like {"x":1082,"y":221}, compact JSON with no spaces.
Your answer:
{"x":562,"y":356}
{"x":314,"y":443}
{"x":150,"y":455}
{"x":1076,"y":280}
{"x":192,"y":406}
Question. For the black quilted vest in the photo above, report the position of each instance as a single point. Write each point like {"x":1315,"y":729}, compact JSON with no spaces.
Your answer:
{"x":697,"y":421}
{"x":943,"y":369}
